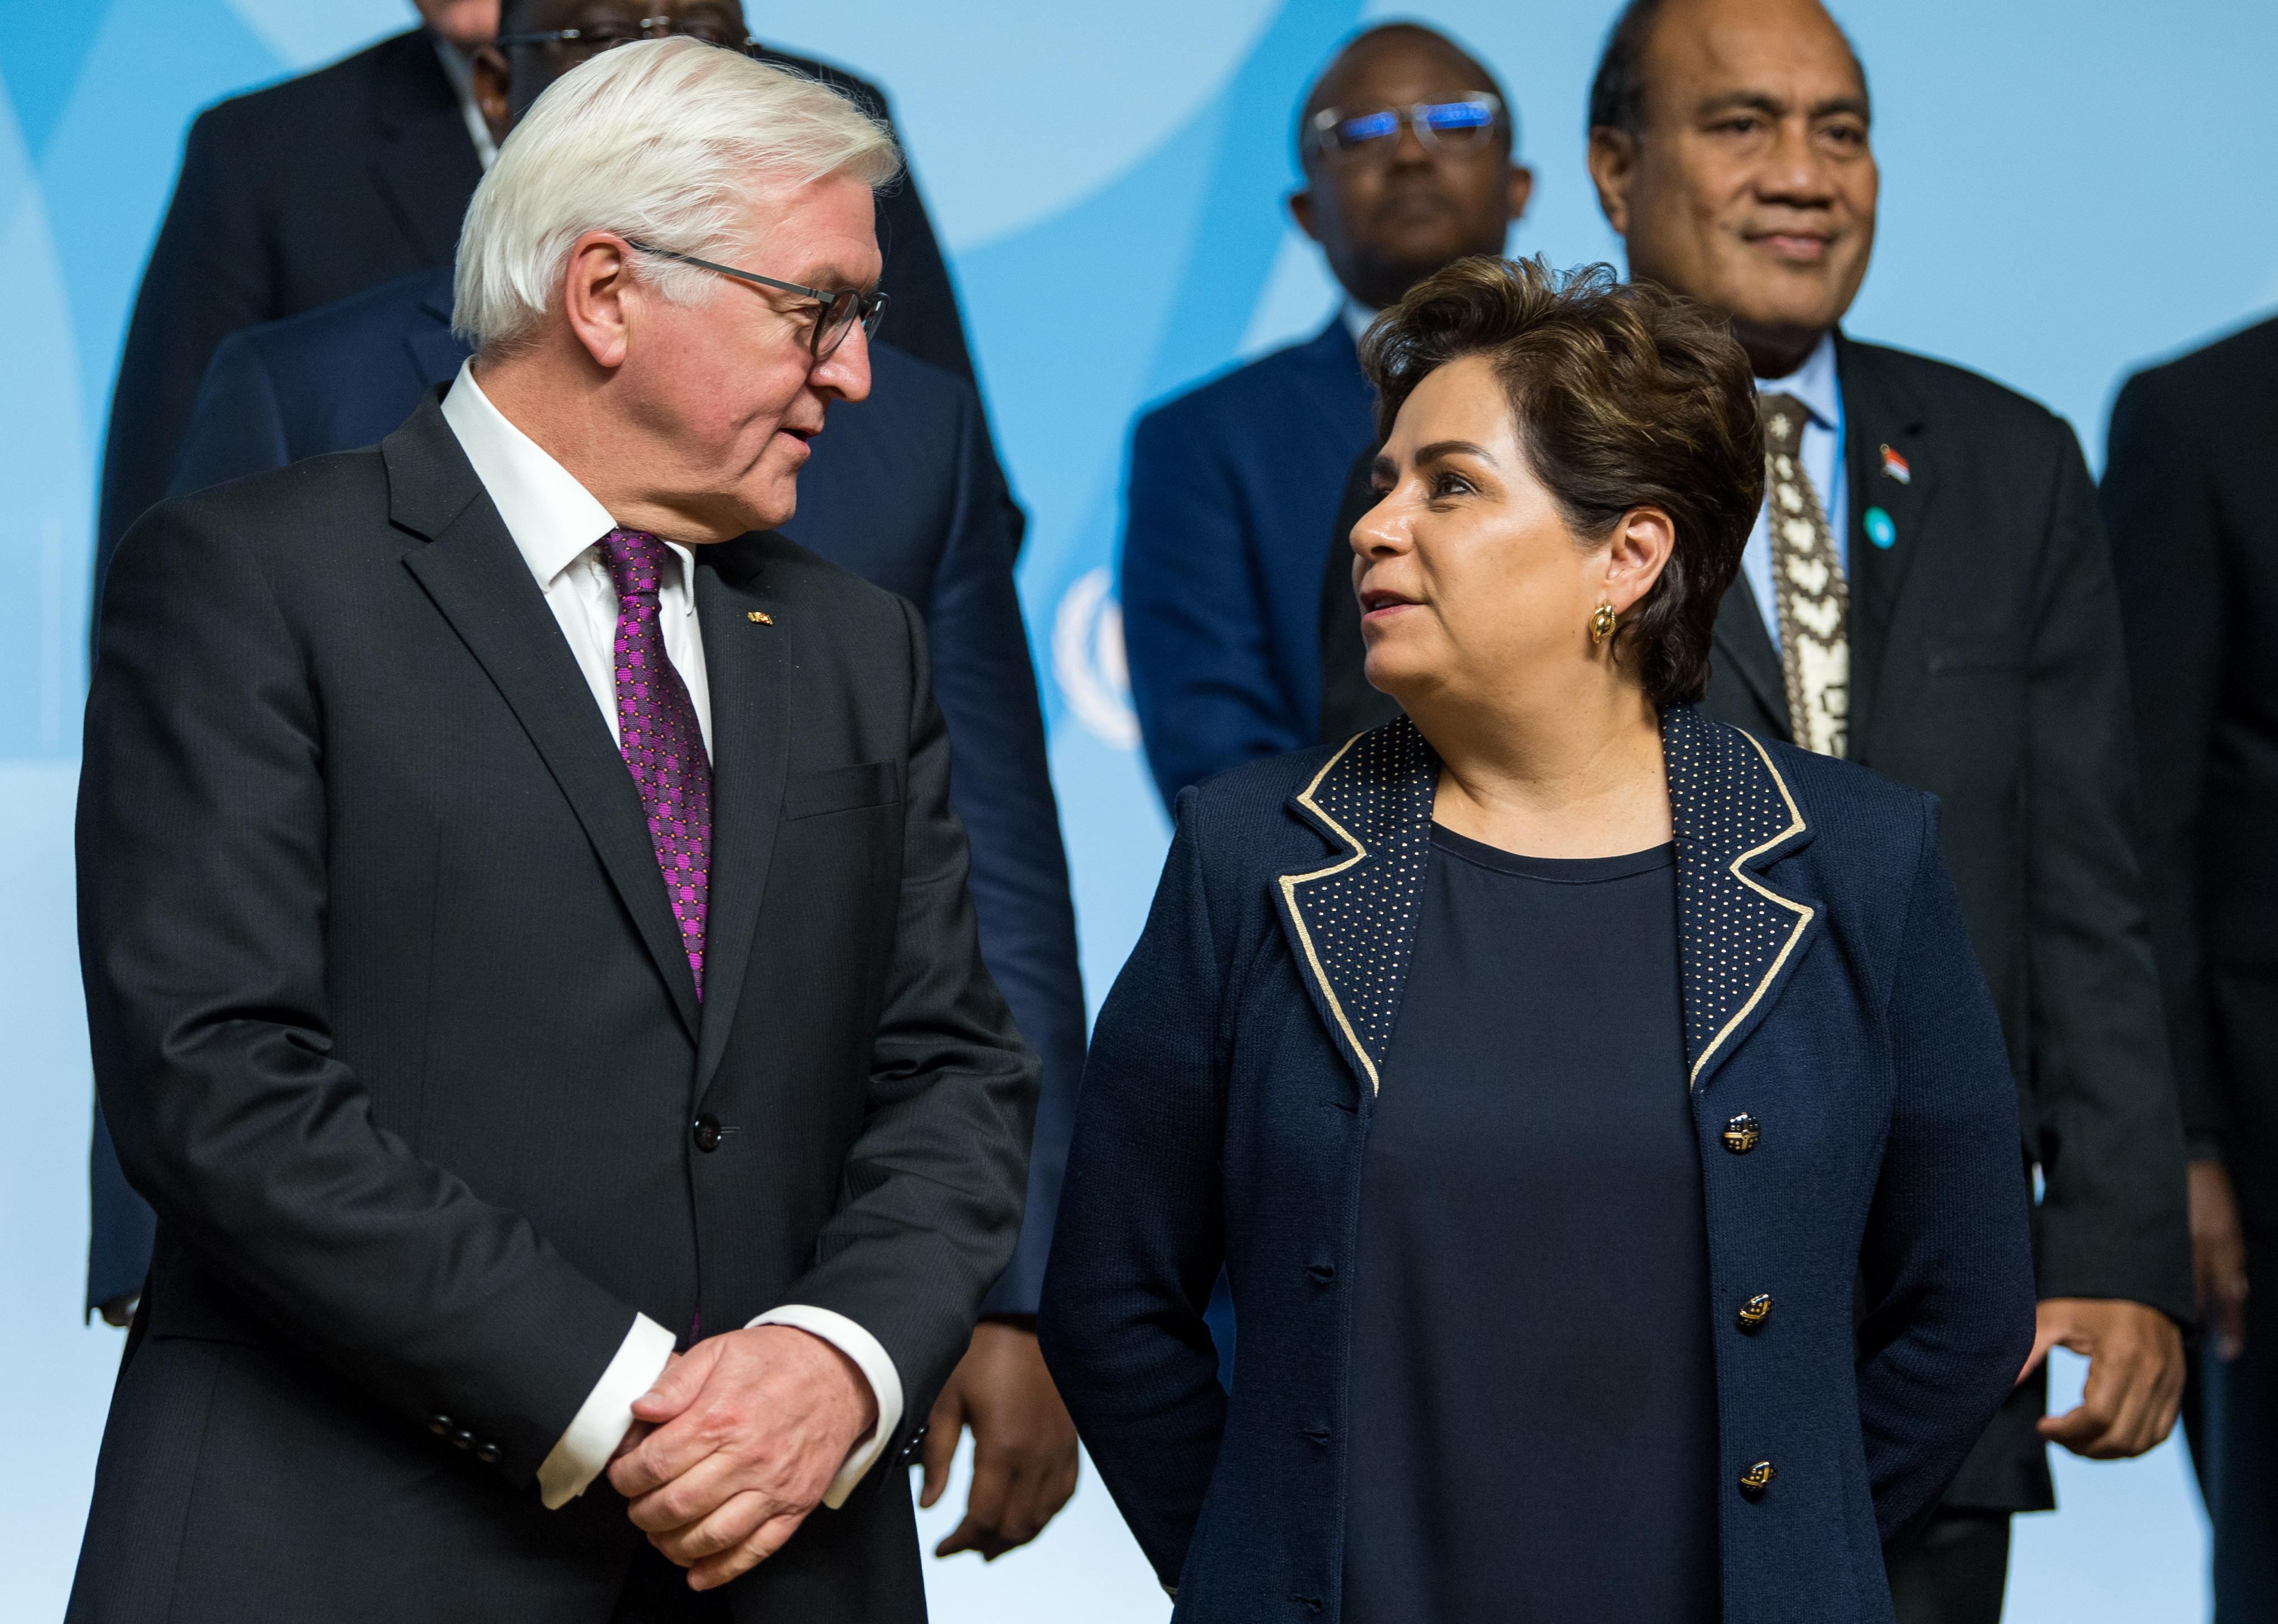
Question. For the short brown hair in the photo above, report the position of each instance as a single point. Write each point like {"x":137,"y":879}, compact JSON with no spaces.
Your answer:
{"x":1627,"y":396}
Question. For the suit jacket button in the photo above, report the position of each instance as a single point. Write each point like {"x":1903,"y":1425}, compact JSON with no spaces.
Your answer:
{"x":488,"y":1453}
{"x":1755,"y":1311}
{"x":1757,"y":1479}
{"x":707,"y":1133}
{"x":1741,"y":1134}
{"x":462,"y":1438}
{"x":440,"y":1425}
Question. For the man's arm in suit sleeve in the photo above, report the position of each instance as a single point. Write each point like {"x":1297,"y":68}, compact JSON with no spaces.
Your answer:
{"x":1141,"y":1232}
{"x":202,"y":881}
{"x":2112,"y":1221}
{"x":1195,"y":635}
{"x":934,"y":1182}
{"x":2166,"y":546}
{"x":1002,"y":789}
{"x":1945,"y":1263}
{"x":208,"y":276}
{"x":237,"y":425}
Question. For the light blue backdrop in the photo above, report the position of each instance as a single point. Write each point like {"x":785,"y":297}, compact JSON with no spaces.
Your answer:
{"x":2068,"y":190}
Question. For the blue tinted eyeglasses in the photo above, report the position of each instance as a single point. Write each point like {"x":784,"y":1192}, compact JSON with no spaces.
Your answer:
{"x":1456,"y":128}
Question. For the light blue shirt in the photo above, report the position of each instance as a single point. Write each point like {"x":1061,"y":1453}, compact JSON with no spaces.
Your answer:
{"x":1816,"y":385}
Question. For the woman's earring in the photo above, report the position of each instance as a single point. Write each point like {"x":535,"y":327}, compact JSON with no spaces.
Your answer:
{"x":1602,"y":623}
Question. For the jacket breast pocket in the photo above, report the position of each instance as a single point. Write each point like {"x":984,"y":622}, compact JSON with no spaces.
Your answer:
{"x":843,"y":788}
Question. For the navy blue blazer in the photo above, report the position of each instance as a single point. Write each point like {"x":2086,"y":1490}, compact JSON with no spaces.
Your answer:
{"x":1857,"y":1125}
{"x":1233,"y":489}
{"x":903,"y":489}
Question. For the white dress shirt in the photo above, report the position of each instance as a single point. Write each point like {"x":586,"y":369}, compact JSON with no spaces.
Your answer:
{"x":459,"y":68}
{"x":556,"y":523}
{"x":1816,"y":385}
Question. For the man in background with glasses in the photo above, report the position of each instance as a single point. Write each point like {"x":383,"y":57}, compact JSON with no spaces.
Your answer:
{"x":905,"y":490}
{"x":529,"y":960}
{"x":1406,"y":144}
{"x":358,"y":174}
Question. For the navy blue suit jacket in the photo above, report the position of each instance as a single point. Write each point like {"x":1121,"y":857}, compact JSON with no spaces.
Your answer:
{"x":1233,"y":489}
{"x":1830,"y":996}
{"x":903,"y":489}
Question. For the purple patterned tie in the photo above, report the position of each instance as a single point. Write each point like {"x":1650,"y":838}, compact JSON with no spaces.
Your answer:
{"x":657,"y":732}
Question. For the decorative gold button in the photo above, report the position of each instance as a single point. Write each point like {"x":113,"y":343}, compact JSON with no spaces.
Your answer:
{"x":1757,"y":1478}
{"x":1755,"y":1311}
{"x":761,"y":616}
{"x":1741,"y":1134}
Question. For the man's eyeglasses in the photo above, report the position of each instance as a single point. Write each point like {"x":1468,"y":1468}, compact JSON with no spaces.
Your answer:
{"x":608,"y":36}
{"x":840,"y":307}
{"x":1456,"y":128}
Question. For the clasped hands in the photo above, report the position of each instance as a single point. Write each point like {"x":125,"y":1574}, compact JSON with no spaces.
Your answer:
{"x":737,"y":1442}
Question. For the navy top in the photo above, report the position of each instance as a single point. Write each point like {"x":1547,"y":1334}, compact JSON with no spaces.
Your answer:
{"x":1533,"y":1424}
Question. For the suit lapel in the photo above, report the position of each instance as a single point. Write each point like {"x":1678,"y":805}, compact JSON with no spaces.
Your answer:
{"x":424,"y":163}
{"x":1351,"y":920}
{"x":1741,"y":642}
{"x":475,"y":576}
{"x":1738,"y":937}
{"x":747,"y":663}
{"x":1879,"y":412}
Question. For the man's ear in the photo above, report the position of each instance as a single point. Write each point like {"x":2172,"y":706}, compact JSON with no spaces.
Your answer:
{"x":493,"y":89}
{"x":597,"y":288}
{"x":1301,"y":210}
{"x":1518,"y":189}
{"x":1613,"y":166}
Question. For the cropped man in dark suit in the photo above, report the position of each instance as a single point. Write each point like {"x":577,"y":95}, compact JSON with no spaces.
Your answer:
{"x":2196,"y":545}
{"x":296,"y":197}
{"x":529,"y":962}
{"x":1963,"y":638}
{"x":905,"y":492}
{"x":1406,"y":144}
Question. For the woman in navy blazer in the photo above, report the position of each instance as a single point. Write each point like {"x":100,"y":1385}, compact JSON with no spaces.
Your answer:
{"x":1598,"y":1111}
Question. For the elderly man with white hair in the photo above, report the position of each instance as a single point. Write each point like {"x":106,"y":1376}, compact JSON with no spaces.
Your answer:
{"x":528,"y":959}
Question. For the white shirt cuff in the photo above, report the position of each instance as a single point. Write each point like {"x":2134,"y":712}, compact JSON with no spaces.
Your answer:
{"x":601,"y":1421}
{"x":877,"y":1369}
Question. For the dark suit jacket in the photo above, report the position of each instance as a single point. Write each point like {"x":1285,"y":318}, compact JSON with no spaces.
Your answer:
{"x":1987,"y":666}
{"x":393,"y":1024}
{"x":2194,"y":542}
{"x":296,"y":196}
{"x":1829,"y":992}
{"x":903,"y":489}
{"x":1230,"y":487}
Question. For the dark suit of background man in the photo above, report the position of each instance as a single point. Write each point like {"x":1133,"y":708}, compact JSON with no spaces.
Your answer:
{"x":1233,"y":484}
{"x":2195,"y":538}
{"x":526,"y":933}
{"x":1965,"y":640}
{"x":906,"y":492}
{"x":359,"y":173}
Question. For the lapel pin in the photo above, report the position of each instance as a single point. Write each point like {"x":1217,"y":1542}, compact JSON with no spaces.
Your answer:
{"x":761,"y":617}
{"x":1894,"y":467}
{"x":1880,"y":530}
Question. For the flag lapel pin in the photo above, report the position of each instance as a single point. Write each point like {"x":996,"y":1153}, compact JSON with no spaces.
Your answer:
{"x":1894,"y":466}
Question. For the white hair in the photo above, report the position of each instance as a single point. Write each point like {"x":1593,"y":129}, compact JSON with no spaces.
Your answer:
{"x":662,"y":139}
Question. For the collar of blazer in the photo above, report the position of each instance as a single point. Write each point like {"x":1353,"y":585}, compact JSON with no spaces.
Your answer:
{"x":1352,"y":921}
{"x":475,"y":575}
{"x":423,"y":160}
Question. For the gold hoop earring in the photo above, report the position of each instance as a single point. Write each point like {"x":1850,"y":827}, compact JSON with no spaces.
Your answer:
{"x":1602,"y":623}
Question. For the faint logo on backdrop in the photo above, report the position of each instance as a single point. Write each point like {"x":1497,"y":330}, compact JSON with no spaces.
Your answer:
{"x":1087,"y":659}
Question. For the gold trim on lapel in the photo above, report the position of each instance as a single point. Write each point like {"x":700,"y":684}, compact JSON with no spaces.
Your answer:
{"x":1289,"y":884}
{"x":1804,"y":912}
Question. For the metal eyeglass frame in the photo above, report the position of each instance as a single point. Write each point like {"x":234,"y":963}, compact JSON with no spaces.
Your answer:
{"x":868,"y":308}
{"x":648,"y":27}
{"x":1409,"y":117}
